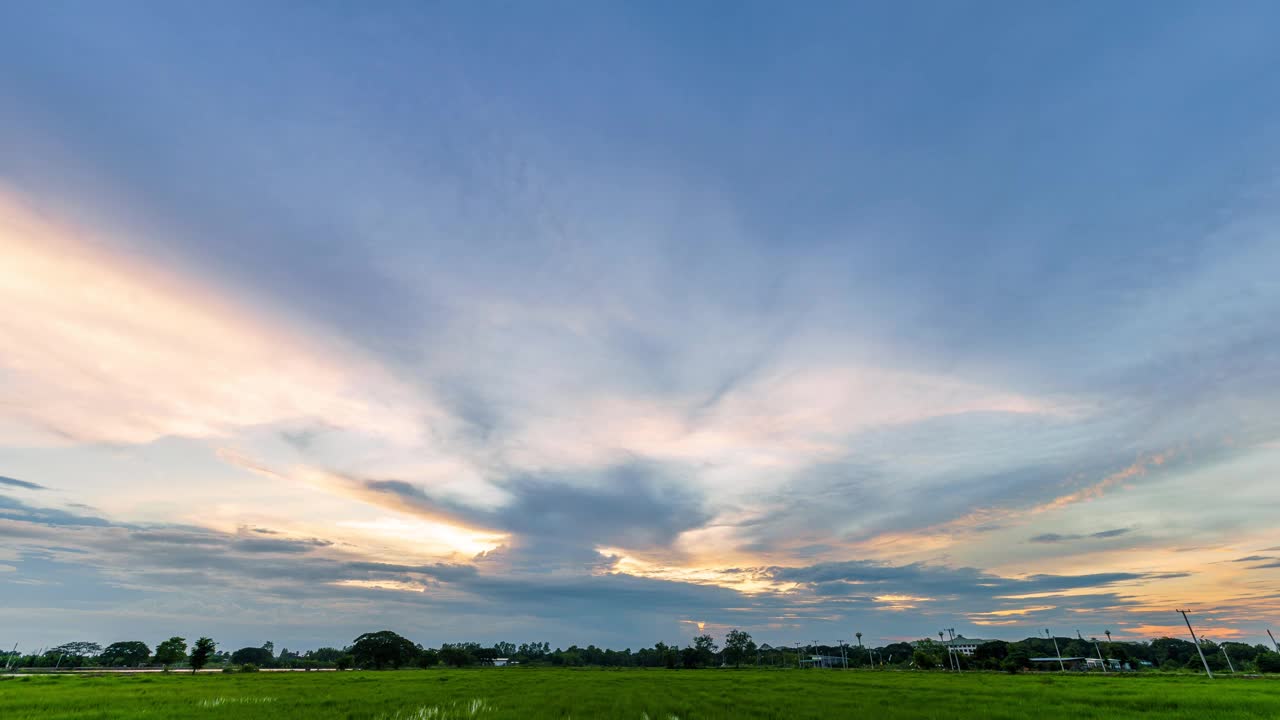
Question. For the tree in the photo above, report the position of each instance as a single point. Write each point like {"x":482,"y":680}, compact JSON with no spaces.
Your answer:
{"x":458,"y":654}
{"x":1011,"y":665}
{"x":75,"y":653}
{"x":738,"y":646}
{"x":990,"y":654}
{"x":504,"y":649}
{"x":667,"y":655}
{"x":924,"y":660}
{"x":130,"y":653}
{"x":78,"y":649}
{"x":1268,"y":662}
{"x":705,"y":648}
{"x":171,"y":651}
{"x":251,"y":656}
{"x":204,"y":647}
{"x":383,"y":648}
{"x":325,"y":655}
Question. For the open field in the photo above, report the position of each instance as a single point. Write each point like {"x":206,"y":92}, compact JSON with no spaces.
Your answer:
{"x":636,"y":694}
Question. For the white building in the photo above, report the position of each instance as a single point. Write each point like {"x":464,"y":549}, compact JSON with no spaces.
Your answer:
{"x":963,"y":645}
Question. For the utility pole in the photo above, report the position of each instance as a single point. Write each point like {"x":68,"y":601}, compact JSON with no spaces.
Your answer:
{"x":1061,"y":666}
{"x":1273,"y":640}
{"x":1223,"y":648}
{"x":844,"y":659}
{"x":1095,"y":647}
{"x":955,"y":650}
{"x":1195,"y":640}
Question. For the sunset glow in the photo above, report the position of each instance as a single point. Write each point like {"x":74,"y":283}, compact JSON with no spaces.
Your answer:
{"x":432,"y":328}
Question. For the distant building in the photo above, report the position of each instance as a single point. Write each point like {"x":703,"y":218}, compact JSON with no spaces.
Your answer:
{"x":502,"y":662}
{"x":1069,"y":663}
{"x":822,"y":661}
{"x":963,"y":645}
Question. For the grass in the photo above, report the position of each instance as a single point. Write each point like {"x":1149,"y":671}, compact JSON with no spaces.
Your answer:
{"x":533,"y":694}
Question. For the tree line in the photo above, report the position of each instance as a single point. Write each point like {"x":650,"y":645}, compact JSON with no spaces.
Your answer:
{"x":388,"y":650}
{"x":1167,"y":654}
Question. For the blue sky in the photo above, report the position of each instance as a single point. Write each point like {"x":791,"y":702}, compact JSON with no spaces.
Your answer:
{"x":603,"y":323}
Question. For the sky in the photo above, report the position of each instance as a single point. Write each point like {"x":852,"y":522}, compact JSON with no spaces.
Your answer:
{"x":614,"y":323}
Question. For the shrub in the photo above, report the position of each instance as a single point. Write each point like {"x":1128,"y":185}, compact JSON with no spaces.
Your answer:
{"x":248,"y":667}
{"x":924,"y":660}
{"x":1268,"y":662}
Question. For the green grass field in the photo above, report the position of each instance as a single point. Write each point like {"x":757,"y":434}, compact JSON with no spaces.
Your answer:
{"x":636,"y":694}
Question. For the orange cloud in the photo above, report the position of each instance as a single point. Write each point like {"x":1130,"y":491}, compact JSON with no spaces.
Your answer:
{"x":1096,"y":490}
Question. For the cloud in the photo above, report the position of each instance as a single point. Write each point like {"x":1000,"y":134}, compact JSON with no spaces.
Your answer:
{"x":255,"y":545}
{"x":12,"y":482}
{"x":635,"y":505}
{"x":113,"y":351}
{"x":244,"y":568}
{"x":17,"y":510}
{"x":1101,"y":535}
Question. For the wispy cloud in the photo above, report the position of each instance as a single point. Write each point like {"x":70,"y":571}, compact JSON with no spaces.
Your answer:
{"x":1100,"y":535}
{"x":22,"y":484}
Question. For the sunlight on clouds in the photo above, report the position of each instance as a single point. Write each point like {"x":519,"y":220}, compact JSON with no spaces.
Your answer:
{"x":901,"y":602}
{"x":1017,"y":612}
{"x":396,"y":585}
{"x":427,"y":537}
{"x":1146,"y":631}
{"x":106,"y":350}
{"x":748,"y":581}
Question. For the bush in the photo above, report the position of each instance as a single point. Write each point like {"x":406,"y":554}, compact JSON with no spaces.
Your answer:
{"x":924,"y":660}
{"x":228,"y":669}
{"x":1011,"y":665}
{"x":1268,"y":662}
{"x":248,"y":667}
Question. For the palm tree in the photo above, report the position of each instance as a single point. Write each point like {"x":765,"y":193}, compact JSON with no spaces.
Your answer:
{"x":859,"y":636}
